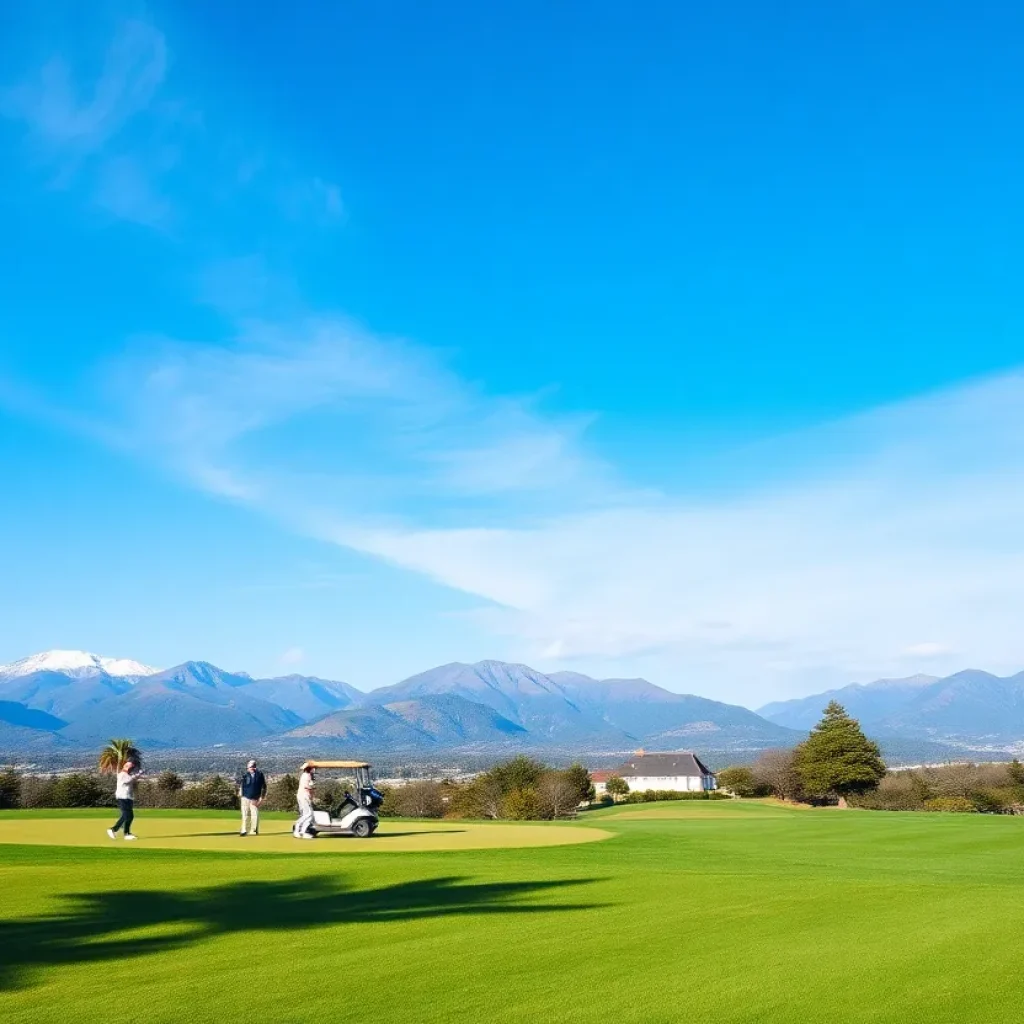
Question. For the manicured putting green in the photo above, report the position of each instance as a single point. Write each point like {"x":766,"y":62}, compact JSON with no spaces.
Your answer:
{"x":221,"y":834}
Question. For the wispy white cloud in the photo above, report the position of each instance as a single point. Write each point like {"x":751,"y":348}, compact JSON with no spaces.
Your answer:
{"x":73,"y":118}
{"x":112,"y":134}
{"x":908,"y":529}
{"x":144,"y":152}
{"x":928,"y":649}
{"x":374,"y":422}
{"x":126,"y":191}
{"x":840,"y":572}
{"x":897,"y":545}
{"x":292,"y":657}
{"x":305,"y":200}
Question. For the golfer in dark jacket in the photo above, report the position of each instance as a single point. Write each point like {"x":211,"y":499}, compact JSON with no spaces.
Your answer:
{"x":252,"y":789}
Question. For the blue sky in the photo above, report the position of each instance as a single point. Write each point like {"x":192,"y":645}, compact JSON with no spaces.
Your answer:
{"x":355,"y":338}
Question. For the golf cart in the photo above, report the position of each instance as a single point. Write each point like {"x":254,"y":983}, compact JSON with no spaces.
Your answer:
{"x":354,"y":815}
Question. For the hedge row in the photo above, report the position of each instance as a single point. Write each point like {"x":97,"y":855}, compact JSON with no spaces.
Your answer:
{"x":648,"y":796}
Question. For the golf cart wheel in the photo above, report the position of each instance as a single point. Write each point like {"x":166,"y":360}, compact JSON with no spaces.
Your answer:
{"x":362,"y":829}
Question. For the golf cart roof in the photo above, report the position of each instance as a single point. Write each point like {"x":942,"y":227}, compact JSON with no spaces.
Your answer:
{"x":334,"y":764}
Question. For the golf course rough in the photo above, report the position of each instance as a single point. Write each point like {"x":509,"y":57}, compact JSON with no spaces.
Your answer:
{"x":726,"y":913}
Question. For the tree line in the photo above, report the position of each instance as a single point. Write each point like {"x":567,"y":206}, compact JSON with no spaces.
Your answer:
{"x":521,"y":789}
{"x":838,"y":763}
{"x":961,"y":788}
{"x":835,"y":763}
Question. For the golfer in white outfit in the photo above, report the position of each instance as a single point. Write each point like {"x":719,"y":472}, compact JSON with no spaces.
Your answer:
{"x":305,"y":798}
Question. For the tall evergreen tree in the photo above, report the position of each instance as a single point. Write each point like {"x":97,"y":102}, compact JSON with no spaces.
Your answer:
{"x":579,"y":778}
{"x":837,"y":759}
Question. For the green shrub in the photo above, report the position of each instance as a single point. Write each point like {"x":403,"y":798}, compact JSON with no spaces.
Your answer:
{"x":420,"y":799}
{"x":10,"y":790}
{"x":579,"y":778}
{"x":740,"y":780}
{"x":77,"y":790}
{"x":653,"y":795}
{"x":281,"y":794}
{"x":520,"y":773}
{"x":617,"y":786}
{"x":521,"y":805}
{"x":995,"y":799}
{"x":898,"y":791}
{"x":37,"y":791}
{"x":169,"y":782}
{"x":214,"y":793}
{"x":951,"y":805}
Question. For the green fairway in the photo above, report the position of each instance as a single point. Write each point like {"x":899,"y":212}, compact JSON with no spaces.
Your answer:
{"x":730,"y":912}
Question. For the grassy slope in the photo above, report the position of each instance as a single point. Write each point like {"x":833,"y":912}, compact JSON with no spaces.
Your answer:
{"x":724,"y":913}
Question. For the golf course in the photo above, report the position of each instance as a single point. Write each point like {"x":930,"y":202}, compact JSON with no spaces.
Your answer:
{"x":737,"y":911}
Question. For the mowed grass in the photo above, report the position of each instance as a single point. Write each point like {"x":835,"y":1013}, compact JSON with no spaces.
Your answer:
{"x":692,"y":913}
{"x":198,"y":832}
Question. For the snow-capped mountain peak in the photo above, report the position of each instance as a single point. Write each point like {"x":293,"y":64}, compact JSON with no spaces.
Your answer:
{"x":77,"y":664}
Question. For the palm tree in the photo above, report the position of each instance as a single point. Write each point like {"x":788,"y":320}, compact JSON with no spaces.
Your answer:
{"x":115,"y":753}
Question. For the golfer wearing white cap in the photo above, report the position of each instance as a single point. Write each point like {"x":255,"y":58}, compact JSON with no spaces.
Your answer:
{"x":252,"y":789}
{"x":305,"y":800}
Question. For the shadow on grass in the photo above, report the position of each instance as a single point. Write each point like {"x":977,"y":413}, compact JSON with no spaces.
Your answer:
{"x":95,"y":927}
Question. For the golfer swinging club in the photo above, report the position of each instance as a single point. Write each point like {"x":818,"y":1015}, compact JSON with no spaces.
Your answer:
{"x":305,"y":799}
{"x":125,"y":796}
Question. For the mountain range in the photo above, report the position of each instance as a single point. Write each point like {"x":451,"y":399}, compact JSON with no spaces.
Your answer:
{"x":969,"y":707}
{"x":72,"y":699}
{"x":67,"y":700}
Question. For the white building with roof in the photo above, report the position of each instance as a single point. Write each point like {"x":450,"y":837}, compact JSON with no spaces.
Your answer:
{"x":679,"y":771}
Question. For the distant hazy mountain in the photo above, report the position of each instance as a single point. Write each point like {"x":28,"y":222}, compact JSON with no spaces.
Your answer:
{"x":306,"y":696}
{"x":970,"y":707}
{"x":26,"y":729}
{"x":517,"y":692}
{"x":13,"y":713}
{"x":442,"y":720}
{"x":868,"y":702}
{"x":660,"y":718}
{"x":65,"y":696}
{"x":193,"y":705}
{"x":70,"y":698}
{"x":17,"y":739}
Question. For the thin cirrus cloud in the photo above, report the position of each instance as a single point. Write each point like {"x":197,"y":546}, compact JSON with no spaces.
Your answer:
{"x":75,"y":119}
{"x":370,"y":422}
{"x":138,"y":147}
{"x":292,"y":657}
{"x":888,"y":538}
